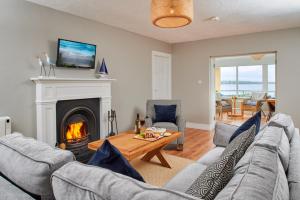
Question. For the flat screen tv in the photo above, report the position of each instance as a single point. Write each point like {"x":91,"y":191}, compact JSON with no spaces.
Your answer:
{"x":74,"y":54}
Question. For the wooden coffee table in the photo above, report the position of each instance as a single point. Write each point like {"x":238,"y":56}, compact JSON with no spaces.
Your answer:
{"x":132,"y":148}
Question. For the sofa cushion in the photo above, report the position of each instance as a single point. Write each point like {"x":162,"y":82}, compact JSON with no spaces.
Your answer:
{"x":29,"y":163}
{"x":240,"y":144}
{"x":167,"y":125}
{"x":223,"y":132}
{"x":211,"y":156}
{"x":255,"y":120}
{"x":165,"y":113}
{"x":275,"y":137}
{"x":184,"y":179}
{"x":213,"y":179}
{"x":294,"y":167}
{"x":284,"y":121}
{"x":109,"y":157}
{"x":259,"y":175}
{"x":95,"y":183}
{"x":10,"y":192}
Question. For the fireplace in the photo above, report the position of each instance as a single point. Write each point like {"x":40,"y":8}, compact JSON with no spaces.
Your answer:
{"x":78,"y":124}
{"x":50,"y":92}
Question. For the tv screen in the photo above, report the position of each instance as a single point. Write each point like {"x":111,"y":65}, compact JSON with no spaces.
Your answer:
{"x":73,"y":54}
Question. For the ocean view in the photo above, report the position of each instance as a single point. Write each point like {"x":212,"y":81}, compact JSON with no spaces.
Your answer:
{"x":245,"y":88}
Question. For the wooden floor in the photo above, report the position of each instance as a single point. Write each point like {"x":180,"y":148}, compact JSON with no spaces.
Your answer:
{"x":196,"y":144}
{"x":238,"y":120}
{"x":199,"y":142}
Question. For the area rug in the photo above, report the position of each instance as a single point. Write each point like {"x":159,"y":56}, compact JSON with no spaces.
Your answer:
{"x":157,"y":175}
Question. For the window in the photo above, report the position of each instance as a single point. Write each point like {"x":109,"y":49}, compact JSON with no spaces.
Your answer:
{"x":243,"y":80}
{"x":271,"y":81}
{"x":228,"y":80}
{"x":250,"y":79}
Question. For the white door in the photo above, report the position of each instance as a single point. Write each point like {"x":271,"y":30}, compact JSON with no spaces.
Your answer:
{"x":161,"y":75}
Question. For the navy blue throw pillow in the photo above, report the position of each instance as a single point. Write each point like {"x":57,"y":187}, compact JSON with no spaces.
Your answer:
{"x":109,"y":157}
{"x":165,"y":113}
{"x":247,"y":124}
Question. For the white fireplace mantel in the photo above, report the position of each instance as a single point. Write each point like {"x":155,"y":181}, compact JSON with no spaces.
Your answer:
{"x":51,"y":90}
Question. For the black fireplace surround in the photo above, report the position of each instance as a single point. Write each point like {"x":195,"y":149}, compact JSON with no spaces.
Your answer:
{"x":86,"y":111}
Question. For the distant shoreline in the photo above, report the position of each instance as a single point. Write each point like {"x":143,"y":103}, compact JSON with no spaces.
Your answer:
{"x":244,"y":82}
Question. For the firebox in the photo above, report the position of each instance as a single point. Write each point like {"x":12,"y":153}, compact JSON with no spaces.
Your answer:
{"x":78,"y":123}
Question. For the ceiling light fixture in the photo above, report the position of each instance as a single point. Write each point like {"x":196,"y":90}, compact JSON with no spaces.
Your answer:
{"x":172,"y":13}
{"x":257,"y":56}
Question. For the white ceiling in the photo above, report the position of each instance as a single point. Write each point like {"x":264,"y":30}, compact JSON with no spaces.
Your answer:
{"x":237,"y":16}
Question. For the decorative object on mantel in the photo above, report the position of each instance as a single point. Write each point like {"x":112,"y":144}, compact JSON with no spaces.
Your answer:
{"x":44,"y":64}
{"x":172,"y":13}
{"x":50,"y":64}
{"x":112,"y":117}
{"x":101,"y":70}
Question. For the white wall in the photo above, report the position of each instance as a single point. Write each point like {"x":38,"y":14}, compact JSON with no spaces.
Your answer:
{"x":27,"y":29}
{"x":246,"y":60}
{"x":191,"y":63}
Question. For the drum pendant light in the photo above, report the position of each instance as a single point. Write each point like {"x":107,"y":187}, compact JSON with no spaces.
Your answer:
{"x":172,"y":13}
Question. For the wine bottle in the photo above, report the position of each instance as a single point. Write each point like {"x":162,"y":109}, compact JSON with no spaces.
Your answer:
{"x":137,"y":127}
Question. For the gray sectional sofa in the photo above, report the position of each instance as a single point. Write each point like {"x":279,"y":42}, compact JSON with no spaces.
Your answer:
{"x":270,"y":169}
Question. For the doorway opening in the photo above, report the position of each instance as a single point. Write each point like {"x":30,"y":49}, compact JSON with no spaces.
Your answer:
{"x":242,"y":85}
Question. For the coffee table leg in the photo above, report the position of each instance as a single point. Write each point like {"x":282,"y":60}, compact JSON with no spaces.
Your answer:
{"x":162,"y":160}
{"x":158,"y":154}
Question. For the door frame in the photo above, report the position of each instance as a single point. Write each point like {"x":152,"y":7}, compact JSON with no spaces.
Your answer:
{"x":212,"y":93}
{"x":169,"y":56}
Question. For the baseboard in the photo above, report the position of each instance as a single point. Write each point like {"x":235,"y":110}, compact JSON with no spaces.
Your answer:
{"x":208,"y":127}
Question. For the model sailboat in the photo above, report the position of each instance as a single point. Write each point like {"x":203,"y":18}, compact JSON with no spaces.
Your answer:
{"x":102,"y":69}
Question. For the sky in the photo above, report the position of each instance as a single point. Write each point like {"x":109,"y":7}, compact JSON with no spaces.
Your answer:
{"x":247,"y":73}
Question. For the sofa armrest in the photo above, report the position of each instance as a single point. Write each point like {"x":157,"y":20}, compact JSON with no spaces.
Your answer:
{"x":223,"y":132}
{"x":29,"y":163}
{"x":181,"y":123}
{"x":148,"y":121}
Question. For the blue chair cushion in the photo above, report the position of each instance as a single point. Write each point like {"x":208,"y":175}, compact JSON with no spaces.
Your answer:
{"x":225,"y":103}
{"x":226,"y":107}
{"x":255,"y":120}
{"x":109,"y":157}
{"x":250,"y":103}
{"x":165,"y":113}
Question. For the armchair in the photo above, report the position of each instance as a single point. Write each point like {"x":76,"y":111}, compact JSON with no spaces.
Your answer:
{"x":223,"y":106}
{"x":178,"y":126}
{"x":255,"y":102}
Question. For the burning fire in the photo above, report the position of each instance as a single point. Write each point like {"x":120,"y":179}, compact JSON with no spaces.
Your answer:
{"x":76,"y":131}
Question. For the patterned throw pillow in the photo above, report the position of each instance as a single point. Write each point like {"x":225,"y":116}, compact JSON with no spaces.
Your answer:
{"x":241,"y":143}
{"x":213,"y":179}
{"x":218,"y":174}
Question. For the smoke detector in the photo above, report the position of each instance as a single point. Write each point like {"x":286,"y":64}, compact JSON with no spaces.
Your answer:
{"x":213,"y":19}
